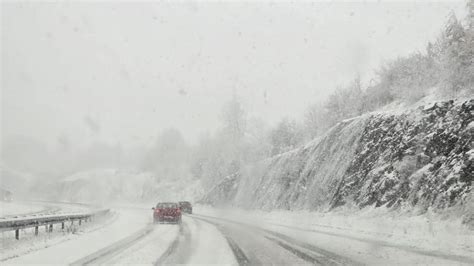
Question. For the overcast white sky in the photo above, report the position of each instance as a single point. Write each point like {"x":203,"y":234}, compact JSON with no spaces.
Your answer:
{"x":122,"y":72}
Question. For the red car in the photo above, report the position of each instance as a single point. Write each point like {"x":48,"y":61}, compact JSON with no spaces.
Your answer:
{"x":166,"y":212}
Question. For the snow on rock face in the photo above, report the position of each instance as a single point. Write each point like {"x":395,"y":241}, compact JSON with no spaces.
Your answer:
{"x":303,"y":178}
{"x":420,"y":158}
{"x":223,"y":192}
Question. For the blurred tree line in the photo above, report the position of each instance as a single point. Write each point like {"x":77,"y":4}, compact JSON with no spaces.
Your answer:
{"x":445,"y":68}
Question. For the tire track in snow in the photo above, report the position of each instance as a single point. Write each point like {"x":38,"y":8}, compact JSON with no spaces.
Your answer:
{"x":239,"y":254}
{"x":106,"y":253}
{"x":305,"y":256}
{"x":322,"y":256}
{"x":304,"y":251}
{"x":171,"y":249}
{"x":310,"y":255}
{"x":179,"y":250}
{"x":411,"y":249}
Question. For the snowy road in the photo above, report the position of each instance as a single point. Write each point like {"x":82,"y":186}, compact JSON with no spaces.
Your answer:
{"x":322,"y":248}
{"x":204,"y":239}
{"x":60,"y":248}
{"x":256,"y":246}
{"x":193,"y":241}
{"x":131,"y":238}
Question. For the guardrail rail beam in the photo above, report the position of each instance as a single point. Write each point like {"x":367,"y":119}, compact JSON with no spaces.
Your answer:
{"x":47,"y":221}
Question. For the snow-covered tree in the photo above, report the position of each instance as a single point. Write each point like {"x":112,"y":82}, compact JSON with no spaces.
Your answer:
{"x":234,"y":119}
{"x":285,"y":136}
{"x":315,"y":122}
{"x":457,"y":57}
{"x":470,"y":15}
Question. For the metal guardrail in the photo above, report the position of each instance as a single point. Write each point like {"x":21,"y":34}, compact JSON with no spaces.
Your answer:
{"x":16,"y":224}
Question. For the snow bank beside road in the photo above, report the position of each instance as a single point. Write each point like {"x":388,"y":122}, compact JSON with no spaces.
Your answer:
{"x":19,"y":208}
{"x":423,"y":233}
{"x":24,"y":209}
{"x":69,"y":248}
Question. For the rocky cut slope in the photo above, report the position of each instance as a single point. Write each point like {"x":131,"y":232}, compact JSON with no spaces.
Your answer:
{"x":420,"y":158}
{"x":423,"y":158}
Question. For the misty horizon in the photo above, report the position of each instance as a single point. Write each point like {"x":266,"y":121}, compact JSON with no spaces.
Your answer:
{"x":77,"y":73}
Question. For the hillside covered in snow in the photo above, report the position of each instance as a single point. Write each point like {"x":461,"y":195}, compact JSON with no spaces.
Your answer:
{"x":115,"y":186}
{"x":418,"y":159}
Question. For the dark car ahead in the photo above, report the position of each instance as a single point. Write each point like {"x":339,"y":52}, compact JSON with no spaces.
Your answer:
{"x":186,"y":207}
{"x":167,"y":212}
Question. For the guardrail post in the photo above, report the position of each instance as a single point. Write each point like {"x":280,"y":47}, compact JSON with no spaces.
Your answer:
{"x":80,"y":221}
{"x":62,"y":225}
{"x":17,"y":234}
{"x":51,"y":228}
{"x":36,"y":230}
